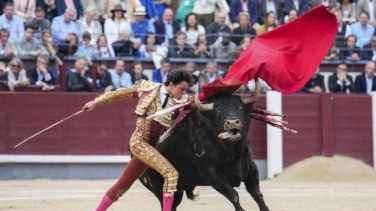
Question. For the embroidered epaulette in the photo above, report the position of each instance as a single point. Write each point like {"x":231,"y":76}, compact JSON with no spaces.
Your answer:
{"x":146,"y":86}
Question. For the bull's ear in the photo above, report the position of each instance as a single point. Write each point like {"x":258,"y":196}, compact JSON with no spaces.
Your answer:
{"x":255,"y":95}
{"x":200,"y":106}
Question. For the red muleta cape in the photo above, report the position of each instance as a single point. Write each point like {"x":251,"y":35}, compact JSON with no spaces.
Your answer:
{"x":286,"y":57}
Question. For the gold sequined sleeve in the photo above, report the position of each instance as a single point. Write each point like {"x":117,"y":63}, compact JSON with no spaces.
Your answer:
{"x":119,"y":94}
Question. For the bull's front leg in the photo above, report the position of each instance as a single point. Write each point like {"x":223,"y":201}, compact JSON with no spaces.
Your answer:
{"x":220,"y":183}
{"x":252,"y":185}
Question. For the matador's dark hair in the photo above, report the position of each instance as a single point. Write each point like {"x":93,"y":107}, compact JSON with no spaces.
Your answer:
{"x":178,"y":76}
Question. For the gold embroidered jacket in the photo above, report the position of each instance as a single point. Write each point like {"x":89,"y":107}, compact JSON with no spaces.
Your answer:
{"x":149,"y":101}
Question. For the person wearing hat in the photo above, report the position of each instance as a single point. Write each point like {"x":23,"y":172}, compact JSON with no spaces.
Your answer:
{"x":128,"y":5}
{"x":142,"y":26}
{"x":117,"y":23}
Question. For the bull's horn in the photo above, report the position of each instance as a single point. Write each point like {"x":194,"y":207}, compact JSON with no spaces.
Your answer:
{"x":200,"y":106}
{"x":255,"y":95}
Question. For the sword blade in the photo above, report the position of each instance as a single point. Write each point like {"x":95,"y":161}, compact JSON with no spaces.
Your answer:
{"x":53,"y":125}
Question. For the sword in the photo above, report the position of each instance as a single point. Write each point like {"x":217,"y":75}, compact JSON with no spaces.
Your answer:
{"x":48,"y":128}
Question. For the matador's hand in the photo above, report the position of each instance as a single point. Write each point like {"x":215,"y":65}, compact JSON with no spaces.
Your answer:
{"x":89,"y":106}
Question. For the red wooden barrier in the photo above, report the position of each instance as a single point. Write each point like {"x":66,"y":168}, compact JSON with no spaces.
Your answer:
{"x":327,"y":124}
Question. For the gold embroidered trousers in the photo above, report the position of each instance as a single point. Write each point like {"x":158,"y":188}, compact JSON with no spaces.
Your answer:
{"x":142,"y":144}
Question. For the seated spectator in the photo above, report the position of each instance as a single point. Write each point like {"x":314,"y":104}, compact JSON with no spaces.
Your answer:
{"x":27,"y":45}
{"x":205,"y":11}
{"x":191,"y":68}
{"x":100,"y":8}
{"x":332,"y":53}
{"x":362,"y":30}
{"x":47,"y":43}
{"x":16,"y":74}
{"x":192,"y":29}
{"x":120,"y":77}
{"x":69,"y":47}
{"x":302,"y":6}
{"x":185,"y":7}
{"x":128,"y":6}
{"x":79,"y":80}
{"x":244,"y":29}
{"x":276,"y":6}
{"x":315,"y":85}
{"x":43,"y":76}
{"x":74,"y":4}
{"x":12,"y":22}
{"x":103,"y":78}
{"x":270,"y":23}
{"x":7,"y":46}
{"x":348,"y":9}
{"x":24,"y":9}
{"x":166,"y":27}
{"x":340,"y":81}
{"x":137,"y":74}
{"x":344,"y":29}
{"x":150,"y":48}
{"x":209,"y":74}
{"x":39,"y":22}
{"x":350,"y":52}
{"x":179,"y":48}
{"x":366,"y":82}
{"x":215,"y":30}
{"x":126,"y":45}
{"x":238,"y":7}
{"x":4,"y":77}
{"x":62,"y":26}
{"x":116,"y":24}
{"x":369,"y":50}
{"x":88,"y":24}
{"x":150,"y":9}
{"x":160,"y":74}
{"x":244,"y":44}
{"x":104,"y":49}
{"x":225,"y":48}
{"x":49,"y":7}
{"x":203,"y":50}
{"x":86,"y":49}
{"x":367,"y":6}
{"x":142,"y":26}
{"x":161,"y":6}
{"x":291,"y":15}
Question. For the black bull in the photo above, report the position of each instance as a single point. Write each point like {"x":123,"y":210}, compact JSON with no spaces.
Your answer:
{"x":211,"y":148}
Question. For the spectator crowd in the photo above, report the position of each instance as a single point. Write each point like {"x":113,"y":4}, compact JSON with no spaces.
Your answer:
{"x":51,"y":30}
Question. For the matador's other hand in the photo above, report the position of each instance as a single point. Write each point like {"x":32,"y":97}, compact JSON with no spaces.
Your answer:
{"x":89,"y":106}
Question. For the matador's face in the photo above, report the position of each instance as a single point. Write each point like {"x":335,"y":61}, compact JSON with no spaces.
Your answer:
{"x":177,"y":91}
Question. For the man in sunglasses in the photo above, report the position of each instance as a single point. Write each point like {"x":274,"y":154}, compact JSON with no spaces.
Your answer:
{"x":103,"y":78}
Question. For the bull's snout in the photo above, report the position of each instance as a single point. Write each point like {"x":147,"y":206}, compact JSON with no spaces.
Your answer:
{"x":232,"y":130}
{"x":232,"y":124}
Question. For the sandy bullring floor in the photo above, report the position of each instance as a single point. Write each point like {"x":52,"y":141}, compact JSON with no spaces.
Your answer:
{"x":315,"y":184}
